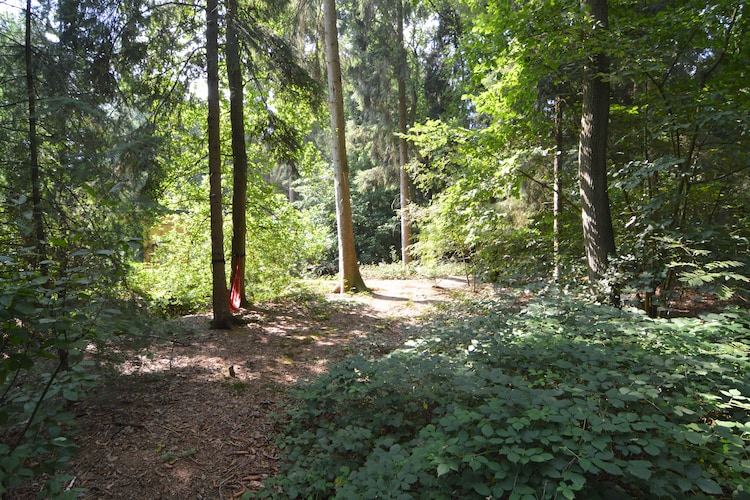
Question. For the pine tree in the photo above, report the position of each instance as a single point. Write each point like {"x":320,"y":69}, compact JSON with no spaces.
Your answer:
{"x":349,"y":275}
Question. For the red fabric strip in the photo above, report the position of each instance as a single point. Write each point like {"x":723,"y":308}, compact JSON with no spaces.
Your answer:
{"x":234,"y":295}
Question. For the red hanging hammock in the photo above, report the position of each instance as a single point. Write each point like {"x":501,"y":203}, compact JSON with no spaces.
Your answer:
{"x":235,"y":297}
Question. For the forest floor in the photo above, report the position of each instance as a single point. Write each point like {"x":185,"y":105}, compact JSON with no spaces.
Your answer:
{"x":173,"y":422}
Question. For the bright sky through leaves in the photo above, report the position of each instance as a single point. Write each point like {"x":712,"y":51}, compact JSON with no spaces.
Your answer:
{"x":12,"y":7}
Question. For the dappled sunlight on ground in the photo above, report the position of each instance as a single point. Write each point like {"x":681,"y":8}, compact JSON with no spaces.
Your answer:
{"x":175,"y":423}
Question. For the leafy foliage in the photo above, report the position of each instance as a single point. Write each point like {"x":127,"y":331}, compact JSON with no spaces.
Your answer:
{"x":563,"y":399}
{"x":704,"y":258}
{"x":488,"y":210}
{"x":281,"y":241}
{"x":48,"y":322}
{"x":375,"y":225}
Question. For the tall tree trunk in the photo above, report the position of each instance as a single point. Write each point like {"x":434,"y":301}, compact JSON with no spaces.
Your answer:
{"x":598,"y":234}
{"x":36,"y":190}
{"x":291,"y":177}
{"x":222,"y":315}
{"x":401,"y":70}
{"x":349,"y":276}
{"x":557,"y":184}
{"x":238,"y":297}
{"x":37,"y":220}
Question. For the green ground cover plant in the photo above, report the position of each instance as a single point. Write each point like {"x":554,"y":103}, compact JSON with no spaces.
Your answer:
{"x":563,"y":399}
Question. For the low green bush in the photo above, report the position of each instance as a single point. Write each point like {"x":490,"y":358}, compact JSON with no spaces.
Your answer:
{"x":55,"y":324}
{"x":564,"y":399}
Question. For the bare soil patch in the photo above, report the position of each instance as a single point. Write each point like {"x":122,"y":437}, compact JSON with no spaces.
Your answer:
{"x":175,"y":423}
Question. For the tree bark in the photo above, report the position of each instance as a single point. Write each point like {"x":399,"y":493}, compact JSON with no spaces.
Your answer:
{"x":557,"y":184}
{"x":222,"y":315}
{"x":36,"y":190}
{"x":349,"y":275}
{"x":238,"y":296}
{"x":598,"y":233}
{"x":401,"y":70}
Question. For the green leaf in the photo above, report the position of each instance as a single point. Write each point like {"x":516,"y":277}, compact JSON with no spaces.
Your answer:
{"x":681,"y":410}
{"x":696,"y":438}
{"x":574,"y":478}
{"x":70,"y":395}
{"x":541,"y":457}
{"x":587,"y":466}
{"x":732,"y":393}
{"x":482,"y":489}
{"x":443,"y":469}
{"x":567,"y":492}
{"x":58,"y":242}
{"x":709,"y":486}
{"x":640,"y":469}
{"x":651,"y":450}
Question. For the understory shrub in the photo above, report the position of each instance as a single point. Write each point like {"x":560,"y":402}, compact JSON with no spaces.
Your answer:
{"x":564,"y":399}
{"x":54,"y":323}
{"x":176,"y":280}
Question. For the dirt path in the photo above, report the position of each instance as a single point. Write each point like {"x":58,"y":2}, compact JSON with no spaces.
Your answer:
{"x":175,"y":424}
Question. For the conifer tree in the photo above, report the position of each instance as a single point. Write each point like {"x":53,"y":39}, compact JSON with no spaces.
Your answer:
{"x":349,"y":275}
{"x":222,"y":314}
{"x":238,"y":297}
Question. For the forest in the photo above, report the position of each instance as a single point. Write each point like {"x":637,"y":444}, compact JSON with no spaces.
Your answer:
{"x":582,"y":168}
